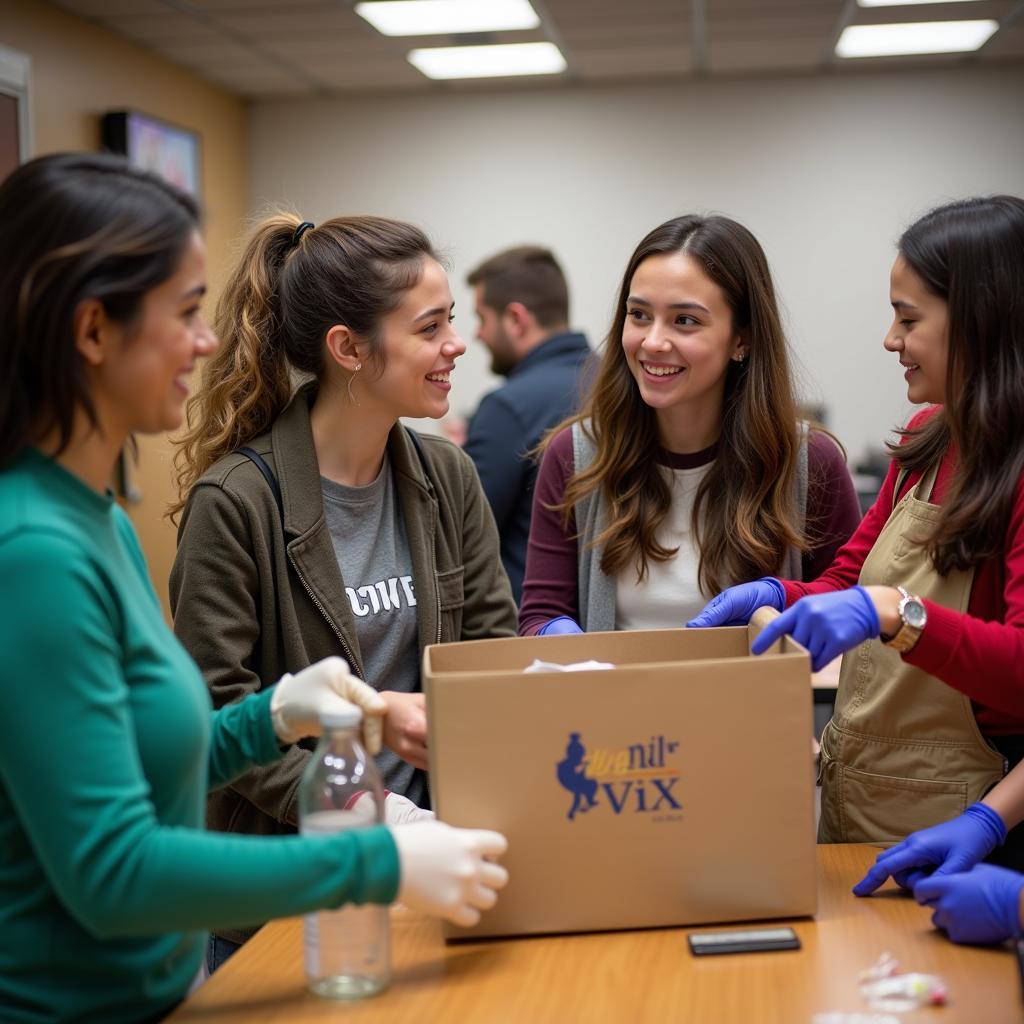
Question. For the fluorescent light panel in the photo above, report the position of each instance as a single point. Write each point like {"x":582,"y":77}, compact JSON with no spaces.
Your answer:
{"x":447,"y":17}
{"x":914,"y":37}
{"x":501,"y":61}
{"x":908,"y":3}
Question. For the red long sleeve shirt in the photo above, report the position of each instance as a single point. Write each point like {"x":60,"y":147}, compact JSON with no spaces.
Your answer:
{"x":980,"y":652}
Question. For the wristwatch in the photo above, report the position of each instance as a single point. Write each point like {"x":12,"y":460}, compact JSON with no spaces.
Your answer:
{"x":913,"y":617}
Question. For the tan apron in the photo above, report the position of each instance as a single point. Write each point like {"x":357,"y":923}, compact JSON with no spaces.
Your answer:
{"x":903,"y":749}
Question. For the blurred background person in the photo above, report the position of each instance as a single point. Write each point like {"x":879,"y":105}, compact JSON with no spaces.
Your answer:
{"x":521,"y":301}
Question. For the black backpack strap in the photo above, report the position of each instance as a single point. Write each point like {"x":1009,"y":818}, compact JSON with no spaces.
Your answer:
{"x":420,"y":454}
{"x":268,"y":475}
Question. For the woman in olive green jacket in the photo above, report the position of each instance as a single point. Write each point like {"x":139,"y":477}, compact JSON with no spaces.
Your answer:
{"x":314,"y":523}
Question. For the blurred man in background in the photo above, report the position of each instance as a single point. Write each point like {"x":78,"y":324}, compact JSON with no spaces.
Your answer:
{"x":522,"y":305}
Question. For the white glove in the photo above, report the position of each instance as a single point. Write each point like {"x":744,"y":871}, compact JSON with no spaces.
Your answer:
{"x":398,"y":810}
{"x":445,"y":871}
{"x":300,"y":699}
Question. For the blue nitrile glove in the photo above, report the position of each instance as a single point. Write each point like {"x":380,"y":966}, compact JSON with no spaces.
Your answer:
{"x":733,"y":607}
{"x":827,"y":625}
{"x":981,"y":905}
{"x":949,"y":848}
{"x":556,"y":627}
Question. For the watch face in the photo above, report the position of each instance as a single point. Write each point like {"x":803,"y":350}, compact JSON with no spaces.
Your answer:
{"x":915,"y":614}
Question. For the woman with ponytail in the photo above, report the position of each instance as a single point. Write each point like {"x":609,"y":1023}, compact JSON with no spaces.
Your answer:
{"x":687,"y":468}
{"x":313,"y":524}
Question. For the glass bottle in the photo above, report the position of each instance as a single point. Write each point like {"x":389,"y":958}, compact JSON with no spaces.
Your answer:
{"x":347,"y":951}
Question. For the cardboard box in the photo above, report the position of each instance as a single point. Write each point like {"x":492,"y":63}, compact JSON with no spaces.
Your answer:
{"x":674,"y":789}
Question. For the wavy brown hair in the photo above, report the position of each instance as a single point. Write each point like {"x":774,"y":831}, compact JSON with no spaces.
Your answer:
{"x":971,"y":253}
{"x":273,"y":317}
{"x":743,"y":516}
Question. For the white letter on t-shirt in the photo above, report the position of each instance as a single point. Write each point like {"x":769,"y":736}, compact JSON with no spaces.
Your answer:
{"x":359,"y":609}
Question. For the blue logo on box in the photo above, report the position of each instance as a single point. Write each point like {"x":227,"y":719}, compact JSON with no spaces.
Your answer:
{"x":636,"y":779}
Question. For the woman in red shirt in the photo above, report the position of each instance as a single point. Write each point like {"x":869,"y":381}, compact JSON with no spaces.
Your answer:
{"x":928,"y":595}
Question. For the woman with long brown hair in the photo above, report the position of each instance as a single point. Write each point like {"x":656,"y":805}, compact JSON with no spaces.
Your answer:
{"x":314,"y":523}
{"x":927,"y":599}
{"x":687,"y":468}
{"x":108,"y":742}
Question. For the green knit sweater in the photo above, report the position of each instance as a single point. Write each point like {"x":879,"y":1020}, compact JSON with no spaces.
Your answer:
{"x":108,"y":746}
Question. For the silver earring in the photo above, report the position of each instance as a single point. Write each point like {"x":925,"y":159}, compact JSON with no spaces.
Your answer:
{"x":359,"y":366}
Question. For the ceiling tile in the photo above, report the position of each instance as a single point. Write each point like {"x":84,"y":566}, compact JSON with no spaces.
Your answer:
{"x":109,"y":8}
{"x":294,"y":22}
{"x":325,"y":48}
{"x":769,"y":30}
{"x":743,"y":56}
{"x":163,"y":28}
{"x":258,"y":82}
{"x":625,"y":63}
{"x":216,"y":7}
{"x":365,"y":76}
{"x":223,"y":53}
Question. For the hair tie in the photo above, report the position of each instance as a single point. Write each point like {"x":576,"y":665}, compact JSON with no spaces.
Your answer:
{"x":300,"y":231}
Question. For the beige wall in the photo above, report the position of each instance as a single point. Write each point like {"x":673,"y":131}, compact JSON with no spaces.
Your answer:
{"x":826,"y":170}
{"x":79,"y":71}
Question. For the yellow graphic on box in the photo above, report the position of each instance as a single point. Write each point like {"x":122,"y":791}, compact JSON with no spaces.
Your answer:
{"x":638,"y":760}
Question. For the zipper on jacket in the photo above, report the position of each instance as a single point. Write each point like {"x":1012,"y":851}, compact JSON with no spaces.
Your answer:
{"x":330,"y":622}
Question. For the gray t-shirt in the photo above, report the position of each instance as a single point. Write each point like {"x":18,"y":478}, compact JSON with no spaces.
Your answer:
{"x":369,"y":540}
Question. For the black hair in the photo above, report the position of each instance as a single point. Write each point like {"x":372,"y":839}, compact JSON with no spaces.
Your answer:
{"x":74,"y":226}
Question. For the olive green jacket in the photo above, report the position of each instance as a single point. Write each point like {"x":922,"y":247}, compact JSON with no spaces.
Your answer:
{"x":251,"y":602}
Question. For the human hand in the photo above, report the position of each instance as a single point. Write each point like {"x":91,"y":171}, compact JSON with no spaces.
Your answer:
{"x":733,"y":607}
{"x":447,"y":872}
{"x":300,"y":699}
{"x":561,"y":626}
{"x":827,"y":625}
{"x":950,"y":848}
{"x":981,"y":905}
{"x":398,"y":810}
{"x":405,"y":727}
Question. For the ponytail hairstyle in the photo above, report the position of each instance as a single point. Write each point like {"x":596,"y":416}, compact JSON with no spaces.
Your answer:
{"x":289,"y":289}
{"x":743,"y":515}
{"x":971,"y":254}
{"x":74,"y":227}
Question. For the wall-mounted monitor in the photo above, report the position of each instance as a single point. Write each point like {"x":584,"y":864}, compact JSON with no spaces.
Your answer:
{"x":15,"y":113}
{"x":155,"y":145}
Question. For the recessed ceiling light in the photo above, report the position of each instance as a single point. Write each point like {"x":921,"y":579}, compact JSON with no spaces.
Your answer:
{"x":907,"y":3}
{"x":447,"y":17}
{"x":920,"y":37}
{"x":488,"y":61}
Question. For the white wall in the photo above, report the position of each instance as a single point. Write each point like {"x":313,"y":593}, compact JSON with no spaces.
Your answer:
{"x":825,"y":170}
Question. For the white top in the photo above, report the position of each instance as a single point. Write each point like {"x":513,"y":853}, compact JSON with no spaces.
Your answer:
{"x":669,"y":594}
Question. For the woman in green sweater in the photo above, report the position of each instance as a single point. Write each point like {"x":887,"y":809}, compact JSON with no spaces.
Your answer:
{"x":108,"y":743}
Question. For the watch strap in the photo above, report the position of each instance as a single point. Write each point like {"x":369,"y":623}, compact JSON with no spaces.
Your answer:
{"x":907,"y":635}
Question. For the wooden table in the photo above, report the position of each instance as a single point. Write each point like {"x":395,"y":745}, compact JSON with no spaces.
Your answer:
{"x":629,"y":976}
